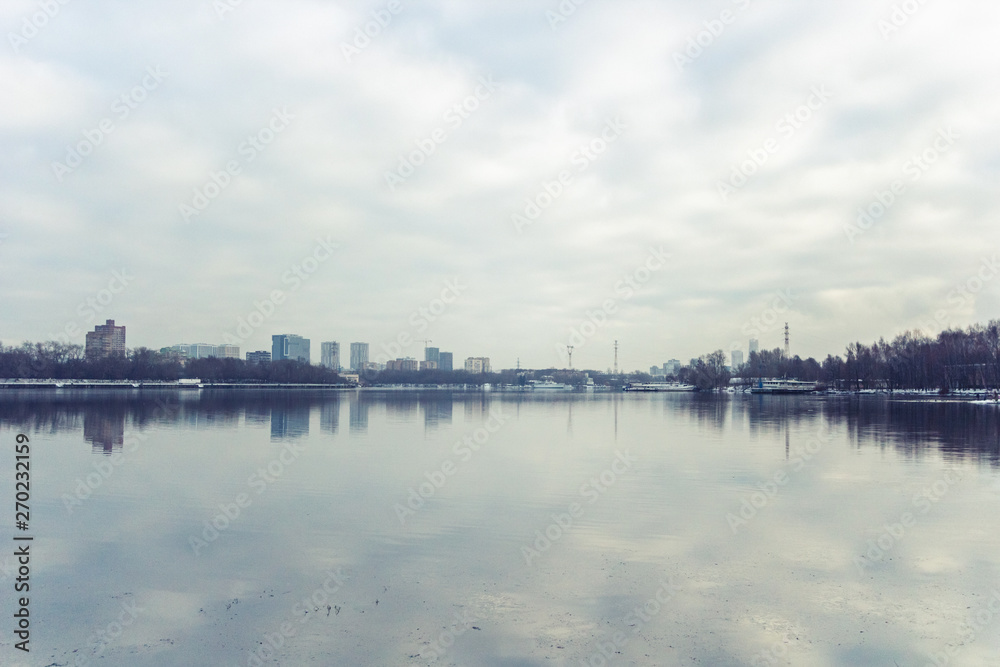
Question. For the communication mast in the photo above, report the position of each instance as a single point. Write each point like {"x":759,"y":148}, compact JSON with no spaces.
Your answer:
{"x":569,"y":351}
{"x":616,"y":358}
{"x":786,"y":340}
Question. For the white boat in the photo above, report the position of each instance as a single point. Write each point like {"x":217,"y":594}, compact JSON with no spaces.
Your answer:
{"x":548,"y":384}
{"x":658,"y":386}
{"x":782,"y":387}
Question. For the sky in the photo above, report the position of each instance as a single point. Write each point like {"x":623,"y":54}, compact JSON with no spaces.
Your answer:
{"x":502,"y":179}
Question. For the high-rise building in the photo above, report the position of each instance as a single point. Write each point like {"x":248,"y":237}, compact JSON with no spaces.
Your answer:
{"x":754,"y":345}
{"x":259,"y":357}
{"x":672,"y":367}
{"x":330,"y":355}
{"x":226,"y":351}
{"x":290,"y":347}
{"x":446,"y":361}
{"x":359,"y":356}
{"x":432,"y":354}
{"x":408,"y":364}
{"x":106,"y":339}
{"x":204,"y":351}
{"x":737,"y":358}
{"x":477,"y":365}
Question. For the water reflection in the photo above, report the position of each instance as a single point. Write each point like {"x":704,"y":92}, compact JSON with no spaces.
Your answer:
{"x":104,"y":430}
{"x":329,"y":415}
{"x":912,"y":426}
{"x":360,"y":403}
{"x":289,"y":419}
{"x":478,"y":496}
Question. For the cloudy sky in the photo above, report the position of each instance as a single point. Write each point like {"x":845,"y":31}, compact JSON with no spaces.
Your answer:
{"x":494,"y":175}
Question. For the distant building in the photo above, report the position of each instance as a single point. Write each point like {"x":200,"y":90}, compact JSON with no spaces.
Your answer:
{"x":658,"y":371}
{"x":432,"y":354}
{"x":754,"y":345}
{"x":105,"y":340}
{"x":259,"y":357}
{"x":330,"y":355}
{"x":446,"y":362}
{"x":373,"y":366}
{"x":477,"y":365}
{"x":737,"y":358}
{"x":227,"y":351}
{"x":189,"y":351}
{"x":359,"y":356}
{"x":672,"y":367}
{"x":428,"y":365}
{"x":408,"y":364}
{"x":290,"y":347}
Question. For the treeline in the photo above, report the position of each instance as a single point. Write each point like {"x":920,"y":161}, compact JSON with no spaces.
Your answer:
{"x":59,"y":361}
{"x":956,"y":359}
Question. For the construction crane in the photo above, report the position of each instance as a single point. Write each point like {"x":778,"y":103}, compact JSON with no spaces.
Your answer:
{"x":424,"y":341}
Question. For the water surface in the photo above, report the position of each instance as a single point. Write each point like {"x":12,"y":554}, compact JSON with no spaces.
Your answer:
{"x":417,"y":528}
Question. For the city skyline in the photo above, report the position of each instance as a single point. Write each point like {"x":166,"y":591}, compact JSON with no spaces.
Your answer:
{"x":644,"y":172}
{"x":295,"y":346}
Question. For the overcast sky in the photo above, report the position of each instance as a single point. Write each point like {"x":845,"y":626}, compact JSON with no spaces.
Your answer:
{"x":644,"y":109}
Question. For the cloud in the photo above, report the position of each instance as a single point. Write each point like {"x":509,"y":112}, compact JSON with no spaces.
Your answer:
{"x":355,"y":118}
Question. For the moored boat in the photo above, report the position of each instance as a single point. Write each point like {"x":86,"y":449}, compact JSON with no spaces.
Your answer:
{"x":783,"y":387}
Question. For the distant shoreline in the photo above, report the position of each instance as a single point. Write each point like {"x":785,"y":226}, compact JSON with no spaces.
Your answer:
{"x":124,"y":385}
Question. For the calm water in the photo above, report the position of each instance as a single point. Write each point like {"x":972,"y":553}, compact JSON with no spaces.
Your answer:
{"x":486,"y":529}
